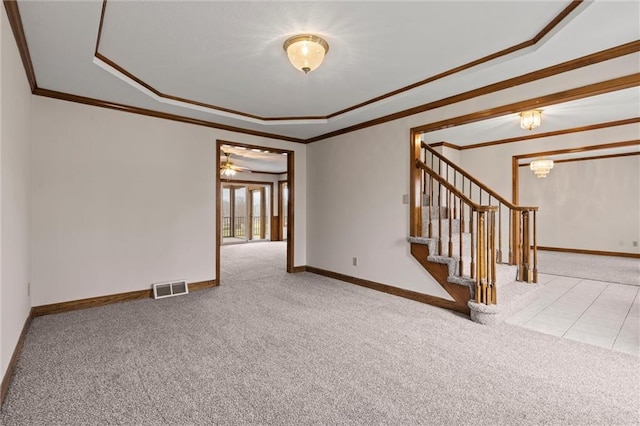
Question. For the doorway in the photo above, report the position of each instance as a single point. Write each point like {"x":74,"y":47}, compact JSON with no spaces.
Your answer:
{"x":245,"y":211}
{"x":245,"y":206}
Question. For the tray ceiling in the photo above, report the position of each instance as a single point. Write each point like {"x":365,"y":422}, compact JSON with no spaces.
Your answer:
{"x":223,"y":62}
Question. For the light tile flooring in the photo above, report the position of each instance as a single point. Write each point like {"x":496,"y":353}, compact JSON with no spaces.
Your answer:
{"x":594,"y":312}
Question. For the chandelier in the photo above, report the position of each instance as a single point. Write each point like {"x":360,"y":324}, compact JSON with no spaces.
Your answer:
{"x":541,"y":167}
{"x":529,"y":120}
{"x":306,"y":51}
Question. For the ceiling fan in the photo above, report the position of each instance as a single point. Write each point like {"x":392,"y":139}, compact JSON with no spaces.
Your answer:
{"x":228,"y":169}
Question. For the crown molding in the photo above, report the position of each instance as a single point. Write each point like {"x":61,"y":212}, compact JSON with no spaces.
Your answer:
{"x":12,"y":10}
{"x":120,"y":72}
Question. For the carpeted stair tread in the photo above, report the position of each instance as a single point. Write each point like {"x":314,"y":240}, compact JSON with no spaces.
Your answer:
{"x":511,"y":298}
{"x":512,"y":295}
{"x":419,"y":240}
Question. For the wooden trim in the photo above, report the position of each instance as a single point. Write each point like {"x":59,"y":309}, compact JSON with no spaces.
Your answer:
{"x":604,"y":55}
{"x":290,"y":211}
{"x":158,"y":93}
{"x":246,"y":182}
{"x":268,"y":173}
{"x":163,"y":95}
{"x":281,"y":184}
{"x":446,"y":145}
{"x":579,"y":149}
{"x":92,"y":302}
{"x":504,"y":52}
{"x":15,"y":21}
{"x":218,"y":220}
{"x":8,"y":374}
{"x":598,"y":157}
{"x":415,"y":201}
{"x":555,"y":21}
{"x":473,"y":179}
{"x":297,"y":269}
{"x":440,"y":272}
{"x":152,"y":113}
{"x":102,"y":12}
{"x":515,"y":182}
{"x":553,"y":133}
{"x":528,"y":43}
{"x":593,"y":252}
{"x":515,"y":160}
{"x":396,"y":291}
{"x":594,"y":89}
{"x":290,"y":180}
{"x":595,"y":157}
{"x":201,"y":285}
{"x":594,"y":58}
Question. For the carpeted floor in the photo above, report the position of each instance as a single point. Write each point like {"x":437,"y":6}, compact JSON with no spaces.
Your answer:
{"x":268,"y":347}
{"x":613,"y":269}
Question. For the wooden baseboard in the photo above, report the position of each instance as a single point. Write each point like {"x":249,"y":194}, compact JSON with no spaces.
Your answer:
{"x":595,"y":252}
{"x":396,"y":291}
{"x":6,"y":380}
{"x":91,"y":302}
{"x":297,"y":269}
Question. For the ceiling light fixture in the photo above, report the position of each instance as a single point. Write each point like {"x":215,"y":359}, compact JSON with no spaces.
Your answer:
{"x":226,"y":171}
{"x":306,"y":51}
{"x":541,"y":167}
{"x":529,"y":120}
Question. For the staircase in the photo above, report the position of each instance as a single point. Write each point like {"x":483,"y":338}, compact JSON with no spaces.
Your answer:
{"x":457,"y":235}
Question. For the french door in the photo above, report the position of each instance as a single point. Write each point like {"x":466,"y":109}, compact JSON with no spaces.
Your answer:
{"x":244,"y":213}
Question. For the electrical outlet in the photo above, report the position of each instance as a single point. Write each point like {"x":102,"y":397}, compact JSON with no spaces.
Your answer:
{"x":28,"y":289}
{"x":355,"y":261}
{"x":635,"y":243}
{"x":405,"y":198}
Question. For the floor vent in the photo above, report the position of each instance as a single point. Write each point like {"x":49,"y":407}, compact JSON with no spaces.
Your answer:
{"x":168,"y":289}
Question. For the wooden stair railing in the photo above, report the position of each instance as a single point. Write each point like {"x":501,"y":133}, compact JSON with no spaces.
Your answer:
{"x":481,"y":220}
{"x":457,"y":193}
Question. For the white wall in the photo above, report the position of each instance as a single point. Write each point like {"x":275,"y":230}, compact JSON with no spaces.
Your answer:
{"x":121,"y":201}
{"x":15,"y":203}
{"x":589,"y":204}
{"x":356,"y":183}
{"x":499,"y":177}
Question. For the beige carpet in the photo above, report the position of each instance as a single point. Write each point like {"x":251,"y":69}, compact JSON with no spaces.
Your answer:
{"x":274,"y":348}
{"x":612,"y":269}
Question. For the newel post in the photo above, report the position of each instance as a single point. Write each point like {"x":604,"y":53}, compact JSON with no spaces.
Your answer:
{"x":481,"y":262}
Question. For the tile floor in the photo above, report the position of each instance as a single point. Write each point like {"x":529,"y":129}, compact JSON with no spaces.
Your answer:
{"x":594,"y":312}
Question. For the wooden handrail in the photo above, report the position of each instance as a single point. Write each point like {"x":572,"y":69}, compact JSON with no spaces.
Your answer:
{"x":453,"y":189}
{"x":477,"y":182}
{"x":482,"y":227}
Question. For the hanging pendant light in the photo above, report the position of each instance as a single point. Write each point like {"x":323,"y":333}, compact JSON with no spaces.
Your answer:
{"x":306,"y":51}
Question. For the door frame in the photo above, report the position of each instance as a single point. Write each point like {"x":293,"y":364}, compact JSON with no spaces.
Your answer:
{"x":280,"y":221}
{"x":290,"y":208}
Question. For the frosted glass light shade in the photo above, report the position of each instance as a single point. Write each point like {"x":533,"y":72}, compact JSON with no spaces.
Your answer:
{"x":541,"y":167}
{"x":227,"y":171}
{"x":529,"y":120}
{"x":306,"y":52}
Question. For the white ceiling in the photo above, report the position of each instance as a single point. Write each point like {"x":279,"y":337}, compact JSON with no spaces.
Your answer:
{"x":255,"y":159}
{"x":612,"y":106}
{"x":229,"y":54}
